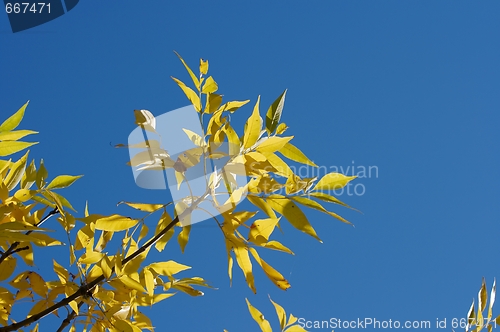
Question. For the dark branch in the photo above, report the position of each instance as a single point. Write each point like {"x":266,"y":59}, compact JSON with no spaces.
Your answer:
{"x":13,"y":247}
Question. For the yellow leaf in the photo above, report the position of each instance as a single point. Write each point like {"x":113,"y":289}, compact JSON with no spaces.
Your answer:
{"x":280,"y":312}
{"x":203,"y":67}
{"x":61,"y":272}
{"x":273,"y":115}
{"x":11,"y":147}
{"x":146,"y":207}
{"x":190,"y":94}
{"x":15,"y":135}
{"x":276,"y":277}
{"x":253,"y":127}
{"x":328,"y":198}
{"x":482,"y":297}
{"x":281,"y":167}
{"x":191,"y":74}
{"x":8,"y":267}
{"x":262,"y":204}
{"x":243,"y":260}
{"x":38,"y":284}
{"x":315,"y":205}
{"x":16,"y":172}
{"x":281,"y":129}
{"x":293,"y":153}
{"x":210,"y":86}
{"x":275,"y":245}
{"x":259,"y":318}
{"x":106,"y":267}
{"x":41,"y":175}
{"x":272,"y":144}
{"x":74,"y":305}
{"x":234,"y":140}
{"x":261,"y":229}
{"x":213,"y":103}
{"x":333,"y":181}
{"x":163,"y":222}
{"x":295,"y":328}
{"x":232,"y":106}
{"x":131,"y":283}
{"x":14,"y":120}
{"x":492,"y":299}
{"x":90,"y":257}
{"x":63,"y":181}
{"x":292,"y":213}
{"x":168,"y":268}
{"x":149,"y":282}
{"x":115,"y":223}
{"x":183,"y":237}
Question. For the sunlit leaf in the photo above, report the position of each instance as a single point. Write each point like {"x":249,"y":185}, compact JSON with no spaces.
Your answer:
{"x":14,"y":120}
{"x":191,"y":74}
{"x":272,"y":144}
{"x":280,"y":312}
{"x":333,"y":181}
{"x":259,"y":318}
{"x":315,"y":205}
{"x":293,"y":153}
{"x":168,"y":268}
{"x":190,"y":94}
{"x":146,"y":207}
{"x":273,"y":115}
{"x":252,"y":127}
{"x":15,"y":135}
{"x":292,"y":213}
{"x":276,"y":277}
{"x":210,"y":86}
{"x":63,"y":181}
{"x":203,"y":67}
{"x":115,"y":223}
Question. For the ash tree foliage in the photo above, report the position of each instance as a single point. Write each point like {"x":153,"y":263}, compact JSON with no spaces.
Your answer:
{"x":109,"y":278}
{"x":477,"y":318}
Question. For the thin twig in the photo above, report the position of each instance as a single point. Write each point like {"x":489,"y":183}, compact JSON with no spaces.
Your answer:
{"x":13,"y":246}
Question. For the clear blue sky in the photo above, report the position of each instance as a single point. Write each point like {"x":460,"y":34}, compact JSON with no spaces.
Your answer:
{"x":411,"y":87}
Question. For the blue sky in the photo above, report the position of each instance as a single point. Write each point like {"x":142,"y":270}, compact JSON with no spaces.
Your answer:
{"x":409,"y":87}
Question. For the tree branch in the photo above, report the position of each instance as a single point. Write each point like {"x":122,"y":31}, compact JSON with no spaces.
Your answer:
{"x":89,"y":286}
{"x":13,"y":247}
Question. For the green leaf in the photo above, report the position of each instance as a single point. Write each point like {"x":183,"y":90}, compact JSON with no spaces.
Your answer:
{"x":333,"y":181}
{"x":273,"y":115}
{"x":11,"y":147}
{"x":293,"y":153}
{"x":63,"y":181}
{"x":12,"y":122}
